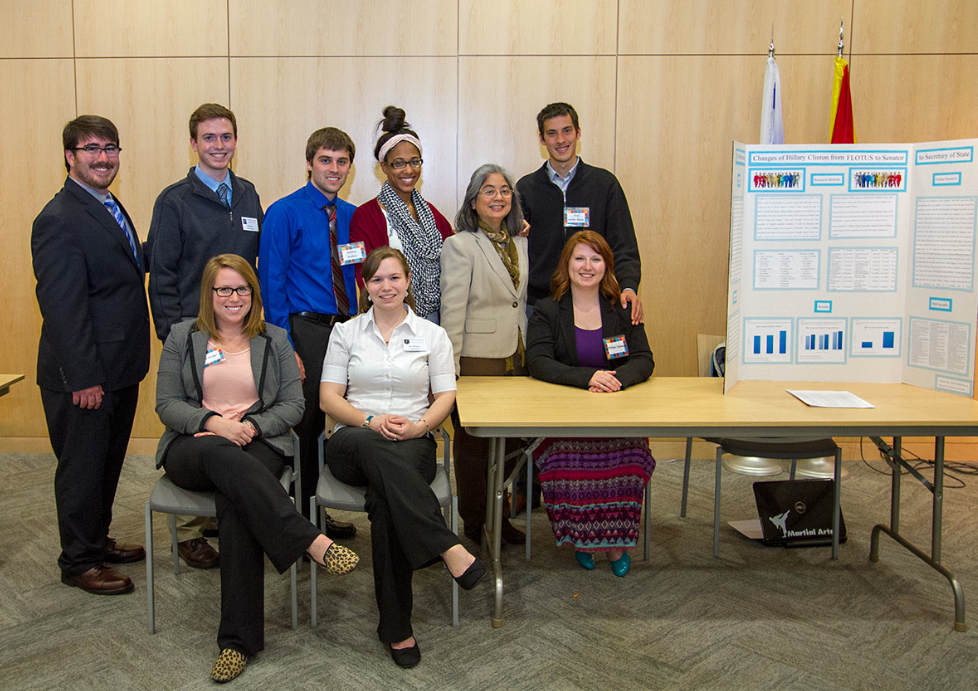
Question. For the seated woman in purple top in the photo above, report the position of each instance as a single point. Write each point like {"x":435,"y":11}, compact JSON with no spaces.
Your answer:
{"x":581,"y":336}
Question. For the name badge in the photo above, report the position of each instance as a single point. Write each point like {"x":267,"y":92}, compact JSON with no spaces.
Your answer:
{"x":415,"y":345}
{"x":577,"y":217}
{"x":352,"y":253}
{"x":214,"y":356}
{"x":249,"y":224}
{"x":615,"y":347}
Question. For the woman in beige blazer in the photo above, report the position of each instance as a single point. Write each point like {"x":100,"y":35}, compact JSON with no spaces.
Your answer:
{"x":483,"y":309}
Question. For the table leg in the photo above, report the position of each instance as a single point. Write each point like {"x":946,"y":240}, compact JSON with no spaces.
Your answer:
{"x":496,"y":479}
{"x":934,"y":558}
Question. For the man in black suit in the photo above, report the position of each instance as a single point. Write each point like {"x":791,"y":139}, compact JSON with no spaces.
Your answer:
{"x":93,"y":352}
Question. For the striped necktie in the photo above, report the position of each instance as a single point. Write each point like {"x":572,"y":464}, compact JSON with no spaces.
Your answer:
{"x":339,"y":284}
{"x":222,"y":192}
{"x":121,"y":220}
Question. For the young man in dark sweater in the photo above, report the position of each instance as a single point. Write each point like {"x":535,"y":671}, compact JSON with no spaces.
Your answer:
{"x":566,"y":195}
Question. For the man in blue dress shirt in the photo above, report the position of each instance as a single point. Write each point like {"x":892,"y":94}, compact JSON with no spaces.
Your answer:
{"x":306,"y":269}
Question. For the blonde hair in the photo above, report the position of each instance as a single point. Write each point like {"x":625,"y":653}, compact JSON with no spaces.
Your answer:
{"x":254,"y":324}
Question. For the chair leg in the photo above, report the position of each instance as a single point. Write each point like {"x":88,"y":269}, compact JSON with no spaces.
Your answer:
{"x":454,"y":528}
{"x":647,"y":529}
{"x":836,"y":511}
{"x":689,"y":454}
{"x":716,"y":507}
{"x":150,"y":602}
{"x":173,"y":544}
{"x":529,"y":501}
{"x":313,"y":571}
{"x":295,"y":598}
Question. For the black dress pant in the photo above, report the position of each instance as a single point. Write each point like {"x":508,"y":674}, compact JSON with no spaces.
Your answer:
{"x":471,"y":454}
{"x":90,"y":445}
{"x":407,"y":530}
{"x":310,"y":340}
{"x":255,"y":515}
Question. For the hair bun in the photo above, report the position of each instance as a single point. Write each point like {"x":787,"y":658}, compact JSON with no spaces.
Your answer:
{"x":393,"y":119}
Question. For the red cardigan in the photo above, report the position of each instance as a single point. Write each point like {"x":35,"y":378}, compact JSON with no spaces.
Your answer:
{"x":370,"y":227}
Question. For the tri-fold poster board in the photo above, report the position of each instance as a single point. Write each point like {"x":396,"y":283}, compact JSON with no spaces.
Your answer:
{"x":855,"y":263}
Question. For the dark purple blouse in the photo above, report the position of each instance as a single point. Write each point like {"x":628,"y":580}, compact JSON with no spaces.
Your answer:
{"x":590,"y":347}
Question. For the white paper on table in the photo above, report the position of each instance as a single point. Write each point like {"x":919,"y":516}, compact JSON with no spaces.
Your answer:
{"x":830,"y":399}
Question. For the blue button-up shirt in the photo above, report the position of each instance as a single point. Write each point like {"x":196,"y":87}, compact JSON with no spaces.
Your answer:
{"x":564,"y":182}
{"x":294,"y":258}
{"x":214,"y":184}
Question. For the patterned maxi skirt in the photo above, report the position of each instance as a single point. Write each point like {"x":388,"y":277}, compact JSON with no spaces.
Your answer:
{"x":593,"y":490}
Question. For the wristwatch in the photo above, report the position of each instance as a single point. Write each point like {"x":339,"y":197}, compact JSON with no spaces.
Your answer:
{"x":366,"y":423}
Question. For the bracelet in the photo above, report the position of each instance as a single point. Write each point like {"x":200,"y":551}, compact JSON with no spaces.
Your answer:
{"x":426,"y":431}
{"x":366,"y":423}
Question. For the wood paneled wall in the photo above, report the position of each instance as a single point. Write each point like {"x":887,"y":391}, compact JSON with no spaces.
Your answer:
{"x":662,"y":87}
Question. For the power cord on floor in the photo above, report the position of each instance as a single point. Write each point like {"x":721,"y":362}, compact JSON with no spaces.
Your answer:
{"x":953,"y":470}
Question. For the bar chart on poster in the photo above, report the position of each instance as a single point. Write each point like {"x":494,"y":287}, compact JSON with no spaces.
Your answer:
{"x":854,"y":262}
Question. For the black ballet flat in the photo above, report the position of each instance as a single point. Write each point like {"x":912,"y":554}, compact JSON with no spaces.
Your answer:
{"x":471,"y":576}
{"x":406,"y":658}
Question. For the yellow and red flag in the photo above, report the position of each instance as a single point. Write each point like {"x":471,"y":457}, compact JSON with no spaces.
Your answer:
{"x":843,"y":128}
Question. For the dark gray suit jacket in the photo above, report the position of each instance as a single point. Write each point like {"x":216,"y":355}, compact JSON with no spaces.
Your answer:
{"x":92,"y":296}
{"x":179,"y":389}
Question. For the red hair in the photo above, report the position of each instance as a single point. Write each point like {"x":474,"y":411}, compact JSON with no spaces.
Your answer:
{"x":560,"y":282}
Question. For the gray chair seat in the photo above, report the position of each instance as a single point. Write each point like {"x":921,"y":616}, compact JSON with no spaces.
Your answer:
{"x":168,"y":498}
{"x":333,"y":494}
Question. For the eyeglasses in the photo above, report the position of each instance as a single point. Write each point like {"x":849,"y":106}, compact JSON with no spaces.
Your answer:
{"x":490,"y":192}
{"x":400,"y":164}
{"x":225,"y":291}
{"x":111,"y":150}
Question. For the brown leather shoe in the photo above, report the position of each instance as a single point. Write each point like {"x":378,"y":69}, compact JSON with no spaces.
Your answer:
{"x":101,"y":580}
{"x":198,"y":553}
{"x":122,"y":553}
{"x":339,"y":530}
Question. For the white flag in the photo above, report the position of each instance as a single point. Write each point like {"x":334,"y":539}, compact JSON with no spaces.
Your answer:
{"x":772,"y":128}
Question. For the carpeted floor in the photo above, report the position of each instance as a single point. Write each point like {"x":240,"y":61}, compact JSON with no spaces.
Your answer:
{"x":757,"y":618}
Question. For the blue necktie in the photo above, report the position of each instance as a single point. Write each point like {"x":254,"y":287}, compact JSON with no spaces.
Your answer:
{"x":121,"y":220}
{"x":222,"y":192}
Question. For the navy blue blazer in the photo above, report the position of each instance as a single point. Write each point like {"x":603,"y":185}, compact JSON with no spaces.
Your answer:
{"x":551,"y":348}
{"x":92,"y":295}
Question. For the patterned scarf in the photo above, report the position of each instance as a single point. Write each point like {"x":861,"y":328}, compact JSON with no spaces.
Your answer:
{"x":511,"y":260}
{"x":422,"y":246}
{"x":505,"y":249}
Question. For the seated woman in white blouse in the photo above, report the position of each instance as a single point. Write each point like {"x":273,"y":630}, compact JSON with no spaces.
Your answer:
{"x":380,"y":369}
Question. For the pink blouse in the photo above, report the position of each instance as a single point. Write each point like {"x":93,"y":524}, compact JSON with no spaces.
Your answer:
{"x":229,"y":385}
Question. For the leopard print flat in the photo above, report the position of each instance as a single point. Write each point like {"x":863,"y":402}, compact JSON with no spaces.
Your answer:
{"x":339,"y":560}
{"x":230,"y":663}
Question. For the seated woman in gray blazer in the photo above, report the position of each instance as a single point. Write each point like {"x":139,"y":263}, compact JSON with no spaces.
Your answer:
{"x":483,"y":308}
{"x":228,"y":392}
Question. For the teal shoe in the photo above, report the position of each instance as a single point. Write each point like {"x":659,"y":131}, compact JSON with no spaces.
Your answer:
{"x":620,"y":567}
{"x":586,"y":559}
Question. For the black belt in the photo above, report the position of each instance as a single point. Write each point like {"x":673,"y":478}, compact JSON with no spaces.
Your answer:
{"x":327,"y":319}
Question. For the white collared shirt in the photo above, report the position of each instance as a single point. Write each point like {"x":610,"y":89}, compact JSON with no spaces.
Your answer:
{"x":392,"y":378}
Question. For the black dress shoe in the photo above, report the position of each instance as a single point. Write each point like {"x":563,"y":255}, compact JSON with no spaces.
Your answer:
{"x":198,"y":553}
{"x":121,"y":553}
{"x":406,"y":657}
{"x":339,"y":530}
{"x":511,"y":534}
{"x":101,"y":580}
{"x":471,"y":576}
